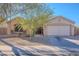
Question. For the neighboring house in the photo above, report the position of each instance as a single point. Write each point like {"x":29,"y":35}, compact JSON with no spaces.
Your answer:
{"x":57,"y":26}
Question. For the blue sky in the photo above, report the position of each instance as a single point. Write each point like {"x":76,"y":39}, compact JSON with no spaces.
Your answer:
{"x":68,"y":10}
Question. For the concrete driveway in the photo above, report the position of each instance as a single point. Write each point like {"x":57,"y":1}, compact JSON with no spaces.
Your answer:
{"x":38,"y":46}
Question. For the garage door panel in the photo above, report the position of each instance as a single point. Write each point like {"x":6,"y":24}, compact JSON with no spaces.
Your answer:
{"x":58,"y":30}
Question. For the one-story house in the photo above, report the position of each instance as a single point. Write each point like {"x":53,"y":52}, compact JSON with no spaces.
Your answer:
{"x":57,"y":26}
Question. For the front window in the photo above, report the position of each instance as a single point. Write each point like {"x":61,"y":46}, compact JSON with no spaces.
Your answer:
{"x":18,"y":28}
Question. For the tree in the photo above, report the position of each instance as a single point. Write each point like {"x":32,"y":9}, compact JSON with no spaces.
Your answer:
{"x":1,"y":20}
{"x":8,"y":10}
{"x":37,"y":15}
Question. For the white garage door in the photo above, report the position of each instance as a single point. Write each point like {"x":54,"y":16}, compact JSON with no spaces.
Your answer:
{"x":58,"y":30}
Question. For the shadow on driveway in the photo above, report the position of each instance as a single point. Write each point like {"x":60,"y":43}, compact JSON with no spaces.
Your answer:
{"x":53,"y":41}
{"x":59,"y":42}
{"x":18,"y":51}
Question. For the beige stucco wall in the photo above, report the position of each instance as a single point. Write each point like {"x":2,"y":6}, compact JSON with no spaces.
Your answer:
{"x":59,"y":20}
{"x":12,"y":24}
{"x":72,"y":30}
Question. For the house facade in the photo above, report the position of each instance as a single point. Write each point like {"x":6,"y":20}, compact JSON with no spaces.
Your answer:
{"x":57,"y":26}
